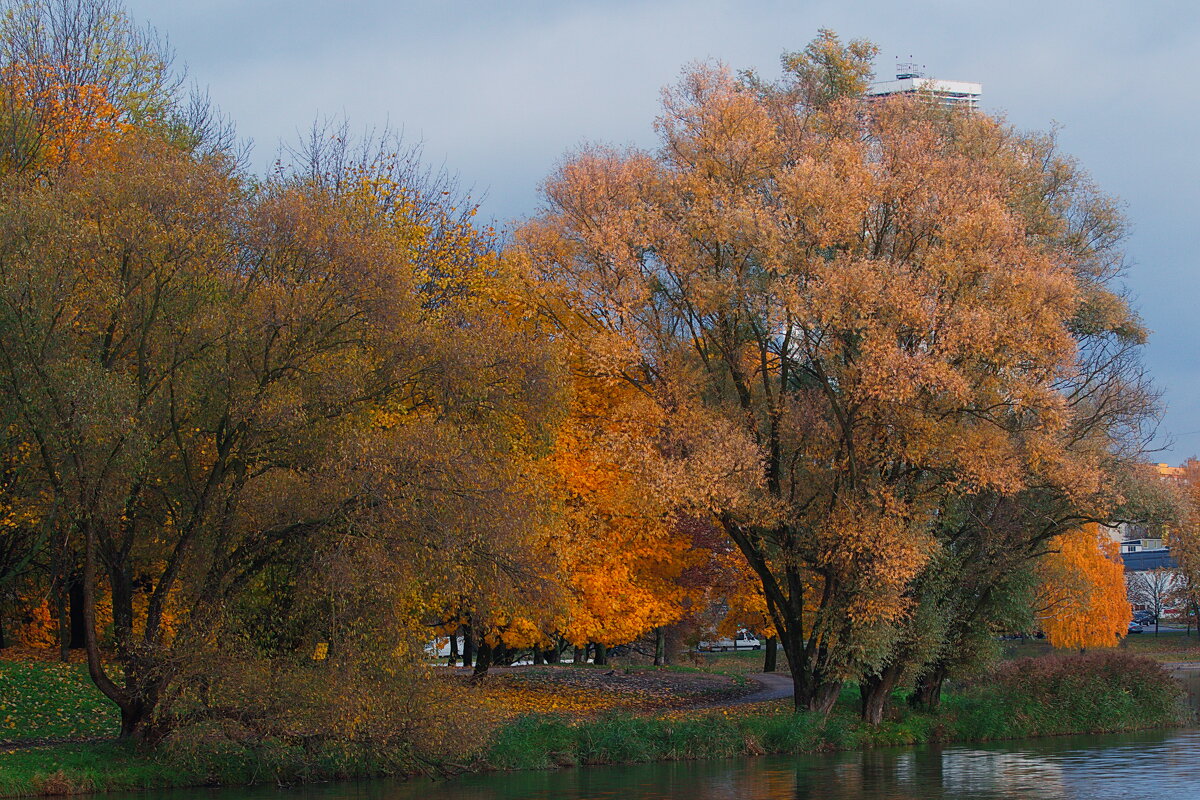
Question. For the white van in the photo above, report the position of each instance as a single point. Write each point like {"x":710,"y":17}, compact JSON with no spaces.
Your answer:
{"x":744,"y":640}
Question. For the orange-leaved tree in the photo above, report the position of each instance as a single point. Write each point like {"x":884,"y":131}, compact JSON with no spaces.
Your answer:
{"x":853,"y":300}
{"x":1082,"y":600}
{"x":620,"y":553}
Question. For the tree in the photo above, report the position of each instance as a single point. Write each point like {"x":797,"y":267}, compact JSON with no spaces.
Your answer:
{"x":1082,"y":599}
{"x":621,"y":553}
{"x":861,"y":310}
{"x":1154,"y":589}
{"x":1183,"y":537}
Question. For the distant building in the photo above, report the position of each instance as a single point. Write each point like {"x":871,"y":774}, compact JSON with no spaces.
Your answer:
{"x":910,"y":80}
{"x":1176,"y":475}
{"x":1135,"y":538}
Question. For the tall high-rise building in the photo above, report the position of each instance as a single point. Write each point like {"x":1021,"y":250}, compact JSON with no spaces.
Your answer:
{"x":911,"y":80}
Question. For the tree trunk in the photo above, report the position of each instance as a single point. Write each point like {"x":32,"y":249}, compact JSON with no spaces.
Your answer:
{"x":812,"y":691}
{"x":660,"y":647}
{"x":64,"y":623}
{"x":133,"y":710}
{"x":876,"y":693}
{"x":468,"y":646}
{"x":601,"y":659}
{"x":483,"y":658}
{"x":579,"y":656}
{"x":771,"y":657}
{"x":502,"y":656}
{"x":453,"y":659}
{"x":539,"y":657}
{"x":78,"y":621}
{"x":927,"y":694}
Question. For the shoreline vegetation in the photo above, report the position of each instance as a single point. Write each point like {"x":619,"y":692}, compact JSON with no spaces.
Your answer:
{"x":1094,"y":692}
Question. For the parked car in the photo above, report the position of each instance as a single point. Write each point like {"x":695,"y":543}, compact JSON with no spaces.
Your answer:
{"x":1143,"y":617}
{"x":745,"y":640}
{"x":1134,"y":627}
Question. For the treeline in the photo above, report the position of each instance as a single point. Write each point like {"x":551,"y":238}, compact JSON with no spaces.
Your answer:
{"x":856,"y":372}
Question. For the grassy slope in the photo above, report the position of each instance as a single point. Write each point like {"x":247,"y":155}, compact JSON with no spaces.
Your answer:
{"x":52,"y":701}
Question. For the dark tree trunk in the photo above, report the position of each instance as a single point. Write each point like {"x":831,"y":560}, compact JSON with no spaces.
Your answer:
{"x":579,"y":656}
{"x":771,"y":657}
{"x":78,"y":639}
{"x":131,"y":702}
{"x":453,"y":660}
{"x":876,"y":693}
{"x":660,"y":647}
{"x":539,"y":657}
{"x":468,"y":646}
{"x":483,"y":658}
{"x":64,"y":623}
{"x":927,"y":694}
{"x":601,"y":659}
{"x":3,"y":641}
{"x":502,"y":656}
{"x":813,"y":691}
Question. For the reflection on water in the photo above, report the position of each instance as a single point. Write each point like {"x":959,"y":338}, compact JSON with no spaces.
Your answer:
{"x":1143,"y":765}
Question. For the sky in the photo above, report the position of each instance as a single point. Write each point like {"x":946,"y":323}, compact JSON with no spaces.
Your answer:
{"x":499,"y":92}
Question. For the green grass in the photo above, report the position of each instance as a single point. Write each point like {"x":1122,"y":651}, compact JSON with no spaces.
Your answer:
{"x":1165,"y":645}
{"x":52,"y":701}
{"x":117,"y":766}
{"x":71,"y":769}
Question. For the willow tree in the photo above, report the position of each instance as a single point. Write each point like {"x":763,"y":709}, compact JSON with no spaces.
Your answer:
{"x":844,"y":306}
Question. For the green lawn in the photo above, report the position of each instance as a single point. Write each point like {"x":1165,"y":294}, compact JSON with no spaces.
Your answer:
{"x":52,"y":701}
{"x":1165,"y":646}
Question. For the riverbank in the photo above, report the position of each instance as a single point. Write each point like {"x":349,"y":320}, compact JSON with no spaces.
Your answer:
{"x":1099,"y":692}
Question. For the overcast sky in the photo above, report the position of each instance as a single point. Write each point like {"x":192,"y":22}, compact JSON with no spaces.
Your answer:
{"x":498,"y":92}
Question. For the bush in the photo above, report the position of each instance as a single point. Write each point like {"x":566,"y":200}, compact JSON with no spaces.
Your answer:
{"x":1094,"y":692}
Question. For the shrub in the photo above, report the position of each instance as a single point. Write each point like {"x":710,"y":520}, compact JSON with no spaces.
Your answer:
{"x":1091,"y":692}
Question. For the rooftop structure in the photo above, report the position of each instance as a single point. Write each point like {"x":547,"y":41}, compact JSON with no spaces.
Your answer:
{"x":911,"y":80}
{"x":1171,"y":474}
{"x":1145,"y":560}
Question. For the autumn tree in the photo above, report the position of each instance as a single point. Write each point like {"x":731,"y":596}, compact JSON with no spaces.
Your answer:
{"x":854,"y":303}
{"x":1183,"y":536}
{"x":68,"y":48}
{"x":1082,"y":598}
{"x":621,"y":552}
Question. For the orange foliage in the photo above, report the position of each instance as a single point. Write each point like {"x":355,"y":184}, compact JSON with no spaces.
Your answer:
{"x":621,"y":556}
{"x":1082,"y":594}
{"x":53,"y":121}
{"x":38,"y":628}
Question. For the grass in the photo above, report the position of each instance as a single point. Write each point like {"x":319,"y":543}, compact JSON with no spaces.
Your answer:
{"x":73,"y":769}
{"x":1165,"y":645}
{"x":52,"y":701}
